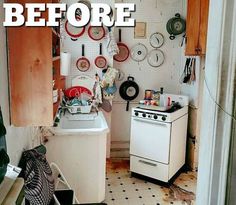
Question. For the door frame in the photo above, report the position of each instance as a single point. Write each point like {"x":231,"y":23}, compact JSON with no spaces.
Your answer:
{"x":218,"y":100}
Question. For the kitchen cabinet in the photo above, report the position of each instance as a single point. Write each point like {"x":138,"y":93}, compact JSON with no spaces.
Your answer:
{"x":196,"y":27}
{"x":32,"y":69}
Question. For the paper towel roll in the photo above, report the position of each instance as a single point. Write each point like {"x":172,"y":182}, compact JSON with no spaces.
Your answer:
{"x":65,"y":63}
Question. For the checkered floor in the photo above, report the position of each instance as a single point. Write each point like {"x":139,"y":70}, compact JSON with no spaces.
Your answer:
{"x":122,"y":189}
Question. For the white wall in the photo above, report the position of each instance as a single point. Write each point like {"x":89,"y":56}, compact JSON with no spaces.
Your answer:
{"x":156,"y":13}
{"x":91,"y":52}
{"x":17,"y":138}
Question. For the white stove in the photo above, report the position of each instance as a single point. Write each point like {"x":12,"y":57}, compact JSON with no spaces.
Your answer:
{"x":158,"y":140}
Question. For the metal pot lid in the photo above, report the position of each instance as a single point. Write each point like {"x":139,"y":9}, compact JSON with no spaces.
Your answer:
{"x":178,"y":26}
{"x":139,"y":52}
{"x":156,"y":40}
{"x":155,"y":58}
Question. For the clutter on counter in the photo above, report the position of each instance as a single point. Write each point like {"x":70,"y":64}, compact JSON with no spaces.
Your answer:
{"x":156,"y":100}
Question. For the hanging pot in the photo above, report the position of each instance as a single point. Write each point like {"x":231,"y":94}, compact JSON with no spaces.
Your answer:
{"x":96,"y":32}
{"x":129,"y":90}
{"x":73,"y":31}
{"x":175,"y":26}
{"x":83,"y":63}
{"x":100,"y":61}
{"x":123,"y":50}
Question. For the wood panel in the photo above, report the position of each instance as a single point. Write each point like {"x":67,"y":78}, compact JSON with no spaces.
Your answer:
{"x":30,"y":65}
{"x":193,"y":26}
{"x":203,"y":26}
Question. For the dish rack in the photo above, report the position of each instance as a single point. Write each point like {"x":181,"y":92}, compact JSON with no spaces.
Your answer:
{"x":73,"y":109}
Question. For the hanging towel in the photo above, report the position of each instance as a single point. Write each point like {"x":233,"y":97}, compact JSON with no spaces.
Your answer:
{"x":112,"y":47}
{"x":109,"y":77}
{"x":39,"y":183}
{"x":97,"y":92}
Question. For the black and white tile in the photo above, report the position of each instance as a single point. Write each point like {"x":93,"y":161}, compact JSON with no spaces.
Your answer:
{"x":122,"y":189}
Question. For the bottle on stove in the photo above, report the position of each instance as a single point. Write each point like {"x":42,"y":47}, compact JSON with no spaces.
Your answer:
{"x":162,"y":98}
{"x":165,"y":100}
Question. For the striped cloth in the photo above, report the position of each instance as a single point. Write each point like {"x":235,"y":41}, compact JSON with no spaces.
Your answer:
{"x":39,"y":183}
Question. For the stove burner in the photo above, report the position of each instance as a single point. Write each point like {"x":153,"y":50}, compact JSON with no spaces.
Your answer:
{"x":176,"y":106}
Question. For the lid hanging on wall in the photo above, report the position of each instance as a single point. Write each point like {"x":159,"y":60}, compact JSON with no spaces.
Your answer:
{"x":138,"y":52}
{"x":155,"y":58}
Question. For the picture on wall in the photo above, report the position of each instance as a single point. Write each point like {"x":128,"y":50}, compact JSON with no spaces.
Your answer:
{"x":140,"y":30}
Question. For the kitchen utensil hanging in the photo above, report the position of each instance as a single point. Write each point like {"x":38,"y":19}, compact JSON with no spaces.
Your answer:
{"x":155,"y":58}
{"x":106,"y":105}
{"x":188,"y":74}
{"x":175,"y":26}
{"x":73,"y":31}
{"x":156,"y":40}
{"x":123,"y":50}
{"x":120,"y":76}
{"x":96,"y":32}
{"x":83,"y":63}
{"x":100,"y":61}
{"x":138,"y":52}
{"x":129,"y":90}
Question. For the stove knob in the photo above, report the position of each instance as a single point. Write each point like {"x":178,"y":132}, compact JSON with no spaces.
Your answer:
{"x":149,"y":116}
{"x":163,"y":118}
{"x":155,"y":117}
{"x":136,"y":113}
{"x":144,"y":115}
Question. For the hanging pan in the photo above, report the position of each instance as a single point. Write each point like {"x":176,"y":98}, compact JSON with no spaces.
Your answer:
{"x":129,"y":90}
{"x":100,"y":61}
{"x":73,"y":31}
{"x":175,"y":26}
{"x":96,"y":32}
{"x":83,"y":63}
{"x":123,"y":50}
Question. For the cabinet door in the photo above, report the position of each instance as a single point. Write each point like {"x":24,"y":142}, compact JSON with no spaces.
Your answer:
{"x":203,"y":26}
{"x":193,"y":26}
{"x":30,"y":69}
{"x":197,"y":22}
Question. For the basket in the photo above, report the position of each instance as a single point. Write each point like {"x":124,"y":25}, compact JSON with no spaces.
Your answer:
{"x":85,"y":109}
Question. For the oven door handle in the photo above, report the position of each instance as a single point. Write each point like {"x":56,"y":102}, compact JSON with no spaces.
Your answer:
{"x":150,"y":121}
{"x":148,"y":163}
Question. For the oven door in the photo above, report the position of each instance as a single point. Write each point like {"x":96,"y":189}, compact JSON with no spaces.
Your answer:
{"x":150,"y":139}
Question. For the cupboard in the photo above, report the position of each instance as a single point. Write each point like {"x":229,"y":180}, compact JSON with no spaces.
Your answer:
{"x":196,"y":27}
{"x":32,"y":69}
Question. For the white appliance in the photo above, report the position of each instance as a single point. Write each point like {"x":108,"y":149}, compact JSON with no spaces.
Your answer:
{"x":158,"y":140}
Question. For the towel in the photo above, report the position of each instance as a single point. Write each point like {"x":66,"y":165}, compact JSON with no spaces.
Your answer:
{"x":112,"y":47}
{"x":109,"y":77}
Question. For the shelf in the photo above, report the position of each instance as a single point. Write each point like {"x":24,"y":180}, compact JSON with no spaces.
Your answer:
{"x":55,"y":58}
